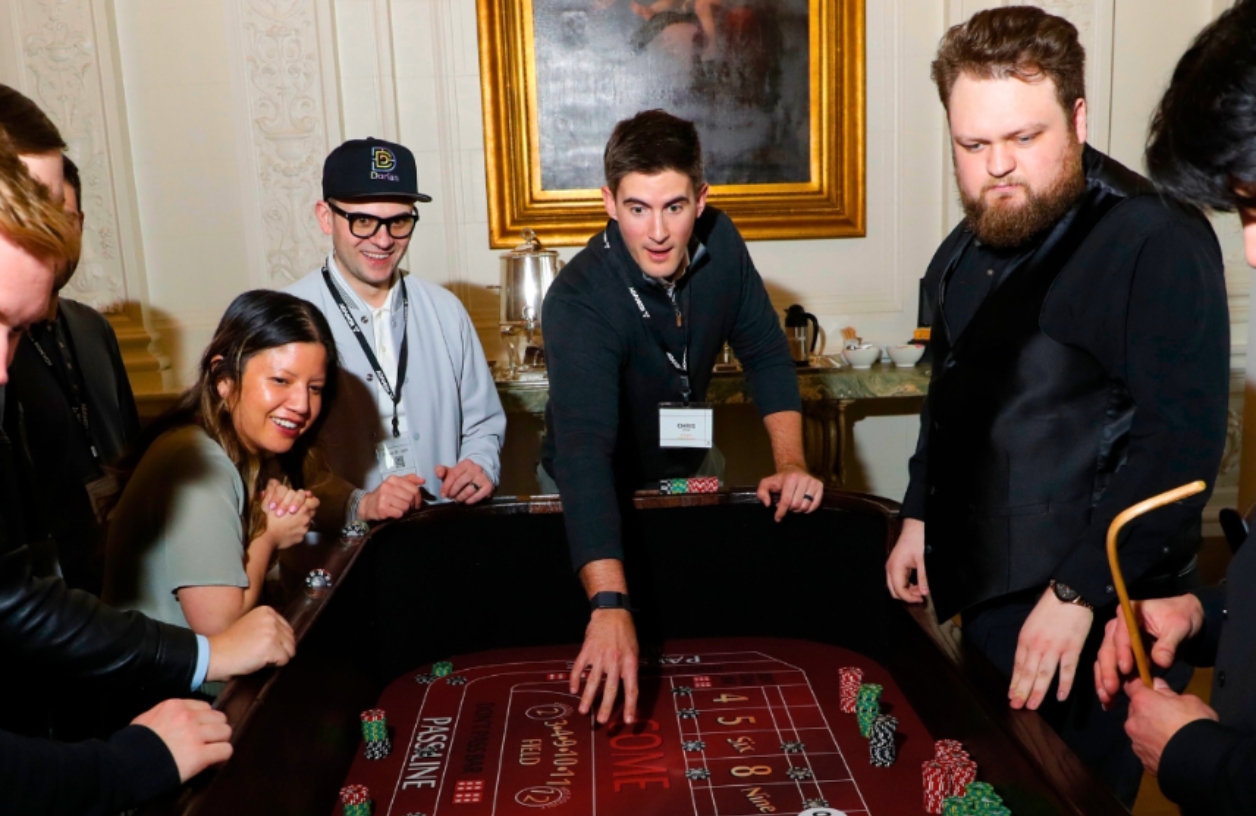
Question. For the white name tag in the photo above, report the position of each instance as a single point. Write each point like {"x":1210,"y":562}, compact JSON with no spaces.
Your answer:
{"x":686,"y":426}
{"x":396,"y":457}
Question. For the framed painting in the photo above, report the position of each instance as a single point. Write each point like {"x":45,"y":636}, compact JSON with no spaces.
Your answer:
{"x":775,"y":87}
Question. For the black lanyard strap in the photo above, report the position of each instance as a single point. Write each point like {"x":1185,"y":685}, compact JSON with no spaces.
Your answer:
{"x":69,"y":378}
{"x":402,"y":355}
{"x":681,"y":366}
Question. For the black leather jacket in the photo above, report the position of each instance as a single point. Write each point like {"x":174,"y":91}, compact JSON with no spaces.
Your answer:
{"x":48,"y":629}
{"x":44,"y":624}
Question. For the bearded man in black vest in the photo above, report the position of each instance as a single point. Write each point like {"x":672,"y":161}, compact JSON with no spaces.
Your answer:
{"x":1081,"y":341}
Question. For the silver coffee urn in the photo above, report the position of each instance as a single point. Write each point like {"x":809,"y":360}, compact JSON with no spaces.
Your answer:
{"x":527,"y":272}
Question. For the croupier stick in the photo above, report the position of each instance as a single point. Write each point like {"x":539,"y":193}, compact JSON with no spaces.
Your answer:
{"x":1127,"y":515}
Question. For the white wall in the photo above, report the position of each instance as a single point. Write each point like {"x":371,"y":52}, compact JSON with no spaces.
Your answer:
{"x":226,"y":108}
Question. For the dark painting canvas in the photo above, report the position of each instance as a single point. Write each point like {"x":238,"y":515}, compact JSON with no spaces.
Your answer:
{"x":739,"y":69}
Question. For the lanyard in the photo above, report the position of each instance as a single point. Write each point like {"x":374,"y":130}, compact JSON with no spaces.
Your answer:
{"x":682,"y":366}
{"x":402,"y":355}
{"x":70,"y":380}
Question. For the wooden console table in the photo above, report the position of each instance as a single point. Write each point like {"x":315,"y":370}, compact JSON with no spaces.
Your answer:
{"x":827,"y":393}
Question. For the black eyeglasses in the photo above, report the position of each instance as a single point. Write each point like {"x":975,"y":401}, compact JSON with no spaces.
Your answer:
{"x":365,"y":225}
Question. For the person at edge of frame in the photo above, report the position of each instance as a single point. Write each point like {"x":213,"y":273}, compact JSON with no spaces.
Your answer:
{"x":633,"y":326}
{"x":1202,"y":150}
{"x":44,"y":626}
{"x":1081,"y":365}
{"x":76,"y":402}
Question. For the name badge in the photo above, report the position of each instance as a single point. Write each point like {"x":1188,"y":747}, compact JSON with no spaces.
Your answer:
{"x":100,"y":492}
{"x":686,"y":426}
{"x":396,"y":457}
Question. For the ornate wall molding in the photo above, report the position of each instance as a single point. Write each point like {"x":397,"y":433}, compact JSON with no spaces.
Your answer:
{"x":65,"y":69}
{"x":285,"y":73}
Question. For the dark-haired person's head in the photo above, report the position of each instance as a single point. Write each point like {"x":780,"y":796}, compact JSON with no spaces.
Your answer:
{"x":35,"y":138}
{"x":1012,"y":81}
{"x":1202,"y":144}
{"x":73,"y":187}
{"x":655,"y":188}
{"x":36,"y":238}
{"x":267,"y":375}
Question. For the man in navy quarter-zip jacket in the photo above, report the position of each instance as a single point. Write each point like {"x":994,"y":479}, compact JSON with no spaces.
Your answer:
{"x":635,"y":320}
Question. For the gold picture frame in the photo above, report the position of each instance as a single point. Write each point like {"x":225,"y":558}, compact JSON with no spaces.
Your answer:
{"x":829,"y":202}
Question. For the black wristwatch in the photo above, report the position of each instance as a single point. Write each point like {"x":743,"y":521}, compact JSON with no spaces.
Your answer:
{"x":609,"y":600}
{"x":1066,"y":594}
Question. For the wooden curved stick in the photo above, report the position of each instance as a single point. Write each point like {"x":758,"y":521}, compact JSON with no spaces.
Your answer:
{"x":1124,"y":517}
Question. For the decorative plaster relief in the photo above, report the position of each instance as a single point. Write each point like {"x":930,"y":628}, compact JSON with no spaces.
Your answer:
{"x":62,"y":75}
{"x":282,"y":56}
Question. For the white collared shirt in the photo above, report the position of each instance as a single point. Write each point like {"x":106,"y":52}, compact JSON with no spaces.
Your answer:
{"x":381,"y":325}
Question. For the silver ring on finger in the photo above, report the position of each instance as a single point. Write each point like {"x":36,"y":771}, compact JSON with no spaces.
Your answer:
{"x":808,"y":497}
{"x":475,"y":487}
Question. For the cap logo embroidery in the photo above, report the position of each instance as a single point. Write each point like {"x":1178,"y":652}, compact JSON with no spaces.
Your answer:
{"x":382,"y":161}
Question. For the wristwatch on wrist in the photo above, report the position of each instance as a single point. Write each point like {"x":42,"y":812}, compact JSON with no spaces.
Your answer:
{"x":609,"y":600}
{"x":1066,"y":594}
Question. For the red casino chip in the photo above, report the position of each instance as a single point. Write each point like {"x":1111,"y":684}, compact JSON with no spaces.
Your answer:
{"x":936,"y":781}
{"x":704,"y":484}
{"x":961,"y":772}
{"x":354,"y":795}
{"x":851,"y":679}
{"x":373,"y":715}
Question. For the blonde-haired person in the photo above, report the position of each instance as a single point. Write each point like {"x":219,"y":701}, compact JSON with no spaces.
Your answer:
{"x":70,"y":634}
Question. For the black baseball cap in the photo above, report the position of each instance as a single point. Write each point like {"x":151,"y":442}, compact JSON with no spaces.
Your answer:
{"x":371,"y":168}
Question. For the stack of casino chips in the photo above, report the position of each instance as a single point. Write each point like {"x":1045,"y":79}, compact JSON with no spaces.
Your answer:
{"x":960,"y":768}
{"x":881,"y":741}
{"x":442,"y":669}
{"x":356,"y":800}
{"x":979,"y":799}
{"x":851,"y":678}
{"x":936,"y":784}
{"x":698,"y":484}
{"x":375,"y":732}
{"x":948,"y":775}
{"x":867,"y":707}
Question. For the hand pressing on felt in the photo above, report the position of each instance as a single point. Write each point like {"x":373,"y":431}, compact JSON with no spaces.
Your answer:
{"x":195,"y":734}
{"x":289,"y":513}
{"x":907,"y":556}
{"x":1169,"y":620}
{"x":396,"y":496}
{"x":465,"y":482}
{"x":799,"y":491}
{"x":1156,"y":714}
{"x":610,"y":656}
{"x":1051,"y":638}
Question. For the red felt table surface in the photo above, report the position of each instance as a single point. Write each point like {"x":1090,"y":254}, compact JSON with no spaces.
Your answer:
{"x":502,"y":736}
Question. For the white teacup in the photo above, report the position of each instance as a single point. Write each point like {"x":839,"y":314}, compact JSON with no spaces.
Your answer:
{"x":906,"y":355}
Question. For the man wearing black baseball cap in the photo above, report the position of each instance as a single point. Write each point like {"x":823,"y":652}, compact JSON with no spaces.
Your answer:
{"x":417,"y":406}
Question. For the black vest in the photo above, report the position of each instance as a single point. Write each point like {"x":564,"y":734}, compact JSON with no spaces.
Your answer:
{"x":1024,"y":431}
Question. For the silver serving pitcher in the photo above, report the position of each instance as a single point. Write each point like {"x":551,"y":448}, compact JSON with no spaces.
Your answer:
{"x":526,"y":274}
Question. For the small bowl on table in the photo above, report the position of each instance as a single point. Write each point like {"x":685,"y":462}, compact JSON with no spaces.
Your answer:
{"x":907,"y":355}
{"x":862,"y":356}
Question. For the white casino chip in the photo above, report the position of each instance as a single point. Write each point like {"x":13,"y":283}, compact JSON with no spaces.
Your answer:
{"x":822,"y":812}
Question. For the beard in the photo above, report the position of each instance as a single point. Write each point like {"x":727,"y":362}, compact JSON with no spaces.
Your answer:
{"x":1006,"y":226}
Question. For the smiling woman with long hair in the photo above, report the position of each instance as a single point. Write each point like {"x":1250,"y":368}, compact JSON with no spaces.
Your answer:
{"x":224,"y":479}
